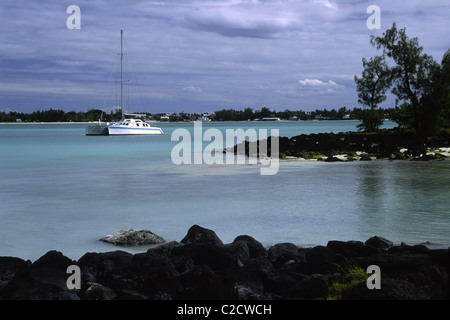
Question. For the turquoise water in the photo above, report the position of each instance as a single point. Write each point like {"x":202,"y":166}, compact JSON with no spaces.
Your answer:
{"x":62,"y":190}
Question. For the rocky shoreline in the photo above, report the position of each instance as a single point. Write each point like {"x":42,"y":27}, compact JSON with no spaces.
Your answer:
{"x":351,"y":146}
{"x":202,"y":267}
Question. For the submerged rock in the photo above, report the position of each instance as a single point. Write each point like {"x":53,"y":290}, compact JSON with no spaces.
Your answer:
{"x":132,"y":237}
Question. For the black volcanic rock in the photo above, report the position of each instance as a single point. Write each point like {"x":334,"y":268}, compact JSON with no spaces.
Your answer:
{"x":45,"y":279}
{"x":351,"y":249}
{"x":9,"y":267}
{"x":392,"y":290}
{"x":202,"y":267}
{"x":256,"y":249}
{"x":378,"y":242}
{"x":282,"y":253}
{"x":384,"y":144}
{"x":197,"y":234}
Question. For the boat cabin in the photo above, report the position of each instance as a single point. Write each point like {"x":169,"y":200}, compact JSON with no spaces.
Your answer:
{"x":133,"y":123}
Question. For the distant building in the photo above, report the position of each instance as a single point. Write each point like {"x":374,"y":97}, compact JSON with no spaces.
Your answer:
{"x":164,"y":118}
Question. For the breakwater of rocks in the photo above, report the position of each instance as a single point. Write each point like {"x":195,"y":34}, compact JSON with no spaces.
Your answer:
{"x":350,"y":146}
{"x":201,"y":267}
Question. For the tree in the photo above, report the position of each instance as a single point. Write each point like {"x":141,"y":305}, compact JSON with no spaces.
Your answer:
{"x":248,"y":114}
{"x":371,"y":87}
{"x":436,"y":102}
{"x":444,"y":81}
{"x":412,"y":73}
{"x":264,"y":113}
{"x":342,"y":112}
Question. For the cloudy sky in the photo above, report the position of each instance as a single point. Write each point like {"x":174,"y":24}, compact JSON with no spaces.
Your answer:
{"x":199,"y":55}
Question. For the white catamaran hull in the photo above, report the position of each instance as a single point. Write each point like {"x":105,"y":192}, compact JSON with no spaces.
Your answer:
{"x":121,"y":131}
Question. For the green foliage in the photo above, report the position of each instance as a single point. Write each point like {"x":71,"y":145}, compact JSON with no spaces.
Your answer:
{"x":351,"y":276}
{"x":351,"y":156}
{"x":371,"y":87}
{"x":371,"y":120}
{"x":318,"y":156}
{"x":374,"y":82}
{"x":404,"y":116}
{"x":309,"y":155}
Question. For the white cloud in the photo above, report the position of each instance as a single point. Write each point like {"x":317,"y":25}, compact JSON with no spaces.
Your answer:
{"x":310,"y":82}
{"x":327,"y":4}
{"x":317,"y":83}
{"x":315,"y":86}
{"x":192,"y":89}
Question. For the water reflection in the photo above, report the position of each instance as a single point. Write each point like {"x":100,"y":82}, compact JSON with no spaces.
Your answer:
{"x":409,"y":201}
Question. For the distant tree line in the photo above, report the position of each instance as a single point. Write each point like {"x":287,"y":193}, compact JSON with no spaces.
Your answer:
{"x":58,"y":115}
{"x":319,"y":114}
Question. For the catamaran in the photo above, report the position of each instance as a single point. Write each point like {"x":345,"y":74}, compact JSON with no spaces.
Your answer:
{"x":125,"y":126}
{"x":132,"y":126}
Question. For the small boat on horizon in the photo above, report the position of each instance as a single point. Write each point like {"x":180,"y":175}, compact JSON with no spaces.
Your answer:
{"x":271,"y":119}
{"x":204,"y":118}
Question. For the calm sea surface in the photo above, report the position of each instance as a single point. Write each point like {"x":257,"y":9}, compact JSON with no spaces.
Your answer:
{"x":62,"y":190}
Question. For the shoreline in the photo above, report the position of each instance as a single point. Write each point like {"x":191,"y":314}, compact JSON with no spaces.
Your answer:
{"x":431,"y":153}
{"x":202,"y":267}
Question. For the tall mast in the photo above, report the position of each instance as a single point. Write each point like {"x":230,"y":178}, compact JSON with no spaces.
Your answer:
{"x":121,"y":74}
